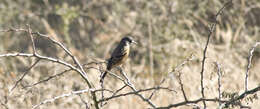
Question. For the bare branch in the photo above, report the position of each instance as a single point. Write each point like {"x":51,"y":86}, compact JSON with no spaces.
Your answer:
{"x":190,"y":102}
{"x":211,"y":30}
{"x":62,"y":96}
{"x":134,"y":93}
{"x":249,"y":61}
{"x":129,"y":84}
{"x":85,"y":102}
{"x":219,"y":81}
{"x":80,"y":70}
{"x":150,"y":97}
{"x":174,"y":70}
{"x":4,"y":105}
{"x":56,"y":75}
{"x":241,"y":96}
{"x":47,"y":79}
{"x":102,"y":93}
{"x":25,"y":73}
{"x":182,"y":88}
{"x":13,"y":29}
{"x":41,"y":57}
{"x":119,"y":90}
{"x":31,"y":37}
{"x":16,"y":54}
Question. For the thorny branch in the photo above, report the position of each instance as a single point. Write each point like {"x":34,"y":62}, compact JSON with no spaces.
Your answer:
{"x":80,"y":70}
{"x":127,"y":83}
{"x":211,"y":30}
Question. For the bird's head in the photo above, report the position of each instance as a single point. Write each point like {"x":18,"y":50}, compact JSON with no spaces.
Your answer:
{"x":128,"y":39}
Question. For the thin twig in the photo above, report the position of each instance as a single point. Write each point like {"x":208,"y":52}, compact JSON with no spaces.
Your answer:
{"x":150,"y":97}
{"x":118,"y":90}
{"x":219,"y":81}
{"x":31,"y":37}
{"x":211,"y":30}
{"x":249,"y":61}
{"x":129,"y":84}
{"x":62,"y":96}
{"x":41,"y":57}
{"x":13,"y":29}
{"x":134,"y":93}
{"x":49,"y":78}
{"x":174,"y":70}
{"x":52,"y":60}
{"x":4,"y":105}
{"x":190,"y":102}
{"x":25,"y":73}
{"x":81,"y":70}
{"x":134,"y":89}
{"x":16,"y":54}
{"x":54,"y":76}
{"x":182,"y":88}
{"x":102,"y":93}
{"x":177,"y":68}
{"x":85,"y":102}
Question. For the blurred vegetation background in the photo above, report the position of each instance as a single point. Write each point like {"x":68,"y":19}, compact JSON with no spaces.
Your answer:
{"x":168,"y":32}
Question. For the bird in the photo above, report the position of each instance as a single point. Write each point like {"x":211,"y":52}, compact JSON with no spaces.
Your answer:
{"x":119,"y":55}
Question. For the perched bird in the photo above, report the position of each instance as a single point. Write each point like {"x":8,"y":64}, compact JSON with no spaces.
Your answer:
{"x":119,"y":55}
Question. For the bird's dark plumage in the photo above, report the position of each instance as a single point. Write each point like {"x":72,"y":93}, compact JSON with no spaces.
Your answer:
{"x":119,"y":55}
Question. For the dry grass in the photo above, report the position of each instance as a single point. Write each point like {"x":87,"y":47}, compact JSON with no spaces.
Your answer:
{"x":91,"y":29}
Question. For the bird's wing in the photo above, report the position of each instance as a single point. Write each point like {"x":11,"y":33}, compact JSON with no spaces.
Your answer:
{"x":118,"y":51}
{"x":117,"y":57}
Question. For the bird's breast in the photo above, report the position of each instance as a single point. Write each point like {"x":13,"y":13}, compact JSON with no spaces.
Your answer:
{"x":126,"y":52}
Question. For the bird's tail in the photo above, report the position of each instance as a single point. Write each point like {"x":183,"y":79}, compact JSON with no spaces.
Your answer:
{"x":103,"y":75}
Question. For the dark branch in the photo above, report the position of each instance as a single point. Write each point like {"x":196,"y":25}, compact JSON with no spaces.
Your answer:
{"x":243,"y":95}
{"x":134,"y":93}
{"x":189,"y":102}
{"x":211,"y":30}
{"x":25,"y":73}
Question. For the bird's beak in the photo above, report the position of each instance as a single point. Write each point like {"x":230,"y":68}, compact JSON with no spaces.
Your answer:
{"x":134,"y":42}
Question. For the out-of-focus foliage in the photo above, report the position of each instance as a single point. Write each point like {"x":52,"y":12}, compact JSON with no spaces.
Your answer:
{"x":91,"y":28}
